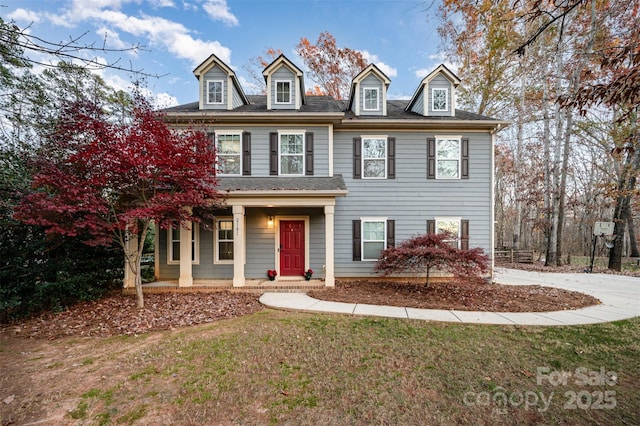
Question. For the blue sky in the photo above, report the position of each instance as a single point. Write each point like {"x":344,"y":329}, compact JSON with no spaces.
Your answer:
{"x":400,"y":36}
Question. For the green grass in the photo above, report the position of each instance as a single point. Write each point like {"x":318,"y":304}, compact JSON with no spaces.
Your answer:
{"x":289,"y":368}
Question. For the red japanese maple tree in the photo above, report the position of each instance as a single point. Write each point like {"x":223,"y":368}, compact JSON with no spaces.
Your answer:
{"x":104,"y":180}
{"x":423,"y":253}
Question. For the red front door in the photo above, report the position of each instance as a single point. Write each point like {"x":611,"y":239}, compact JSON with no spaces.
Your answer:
{"x":291,"y":247}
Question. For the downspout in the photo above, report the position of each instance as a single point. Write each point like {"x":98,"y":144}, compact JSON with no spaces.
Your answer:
{"x":492,"y":237}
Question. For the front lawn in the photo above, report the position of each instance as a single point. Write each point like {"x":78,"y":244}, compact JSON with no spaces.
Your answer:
{"x":294,"y":368}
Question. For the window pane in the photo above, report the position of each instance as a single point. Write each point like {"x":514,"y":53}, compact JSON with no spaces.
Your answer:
{"x":215,"y":91}
{"x":291,"y":165}
{"x":291,"y":144}
{"x":229,"y":144}
{"x":439,"y":100}
{"x":229,"y":164}
{"x":451,"y":226}
{"x":175,"y":250}
{"x":374,"y":168}
{"x":373,"y":231}
{"x":374,"y":148}
{"x":447,"y":169}
{"x":371,"y":99}
{"x":449,"y":148}
{"x":372,"y":250}
{"x":225,"y":250}
{"x":283,"y":92}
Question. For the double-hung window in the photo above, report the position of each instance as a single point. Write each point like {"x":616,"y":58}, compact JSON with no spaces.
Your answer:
{"x":374,"y":237}
{"x":173,"y":244}
{"x":374,"y":157}
{"x":223,"y":240}
{"x":229,"y":152}
{"x":448,"y":158}
{"x":439,"y":99}
{"x":291,"y":148}
{"x":451,"y":226}
{"x":214,"y":91}
{"x":283,"y":92}
{"x":370,"y":99}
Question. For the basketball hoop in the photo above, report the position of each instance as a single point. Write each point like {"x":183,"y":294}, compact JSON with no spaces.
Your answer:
{"x":603,"y":230}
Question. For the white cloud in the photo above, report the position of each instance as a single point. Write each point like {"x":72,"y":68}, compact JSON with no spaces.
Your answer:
{"x":23,"y":15}
{"x":373,"y":59}
{"x":112,"y":39}
{"x":173,"y":36}
{"x":218,"y":10}
{"x":436,"y":59}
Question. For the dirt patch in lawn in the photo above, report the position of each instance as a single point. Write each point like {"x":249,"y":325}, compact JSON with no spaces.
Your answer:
{"x":468,"y":295}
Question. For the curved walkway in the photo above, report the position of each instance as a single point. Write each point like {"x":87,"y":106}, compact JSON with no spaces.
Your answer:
{"x":620,"y":297}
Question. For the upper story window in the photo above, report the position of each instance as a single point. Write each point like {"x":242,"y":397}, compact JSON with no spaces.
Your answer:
{"x":448,"y":158}
{"x":374,"y":157}
{"x":283,"y":92}
{"x":370,"y":99}
{"x":439,"y":98}
{"x":214,"y":91}
{"x":229,"y":153}
{"x":223,"y":240}
{"x":291,"y":149}
{"x":173,"y":244}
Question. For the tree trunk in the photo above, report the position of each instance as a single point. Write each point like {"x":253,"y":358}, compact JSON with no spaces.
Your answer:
{"x":626,"y":185}
{"x":633,"y":243}
{"x":563,"y":183}
{"x":548,"y":190}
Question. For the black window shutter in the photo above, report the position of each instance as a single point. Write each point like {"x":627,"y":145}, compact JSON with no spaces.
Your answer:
{"x":273,"y":154}
{"x":464,"y":234}
{"x":357,"y":158}
{"x":246,"y":154}
{"x":308,"y":154}
{"x":431,"y":158}
{"x":464,"y":171}
{"x":431,"y":226}
{"x":391,"y":158}
{"x":356,"y":230}
{"x":391,"y":233}
{"x":211,"y":136}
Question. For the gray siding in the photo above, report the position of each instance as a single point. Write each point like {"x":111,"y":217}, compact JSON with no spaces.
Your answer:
{"x":215,"y":73}
{"x":439,"y":82}
{"x":371,"y":81}
{"x":260,"y":146}
{"x":237,"y":99}
{"x":283,"y":73}
{"x":410,"y":199}
{"x":418,"y":104}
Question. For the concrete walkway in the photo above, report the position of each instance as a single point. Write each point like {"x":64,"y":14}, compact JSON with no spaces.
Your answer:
{"x":620,"y":297}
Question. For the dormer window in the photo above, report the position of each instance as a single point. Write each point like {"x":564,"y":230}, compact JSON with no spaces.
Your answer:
{"x":214,"y":91}
{"x":370,"y":99}
{"x":283,"y":92}
{"x":439,"y":99}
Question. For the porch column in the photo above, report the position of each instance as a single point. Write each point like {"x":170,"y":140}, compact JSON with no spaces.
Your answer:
{"x":186,"y":273}
{"x":329,"y":273}
{"x":131,"y":247}
{"x":238,"y":246}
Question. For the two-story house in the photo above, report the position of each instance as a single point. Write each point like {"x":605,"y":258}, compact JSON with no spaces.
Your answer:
{"x":316,"y":183}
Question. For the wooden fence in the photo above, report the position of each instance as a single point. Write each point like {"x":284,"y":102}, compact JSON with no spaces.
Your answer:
{"x":513,"y":256}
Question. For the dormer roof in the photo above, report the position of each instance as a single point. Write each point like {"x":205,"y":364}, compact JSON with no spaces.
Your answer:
{"x":440,"y":70}
{"x":212,"y":61}
{"x":369,"y":69}
{"x":273,"y":67}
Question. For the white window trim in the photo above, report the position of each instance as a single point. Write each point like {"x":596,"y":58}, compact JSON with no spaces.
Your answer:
{"x":232,"y":133}
{"x":446,"y":99}
{"x":275,"y":97}
{"x":459,"y":139}
{"x":364,"y":98}
{"x":195,"y":241}
{"x":450,"y":219}
{"x":362,"y":240}
{"x":209,"y":101}
{"x":386,"y":156}
{"x":216,"y":247}
{"x":304,"y":147}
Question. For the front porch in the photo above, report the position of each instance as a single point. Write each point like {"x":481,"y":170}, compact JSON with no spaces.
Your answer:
{"x":258,"y":286}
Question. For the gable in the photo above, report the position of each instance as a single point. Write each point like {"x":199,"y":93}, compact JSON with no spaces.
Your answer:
{"x":218,"y":86}
{"x":285,"y":85}
{"x":369,"y":92}
{"x":436,"y":94}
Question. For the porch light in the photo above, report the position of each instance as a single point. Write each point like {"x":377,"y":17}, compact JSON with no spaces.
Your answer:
{"x":270,"y":221}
